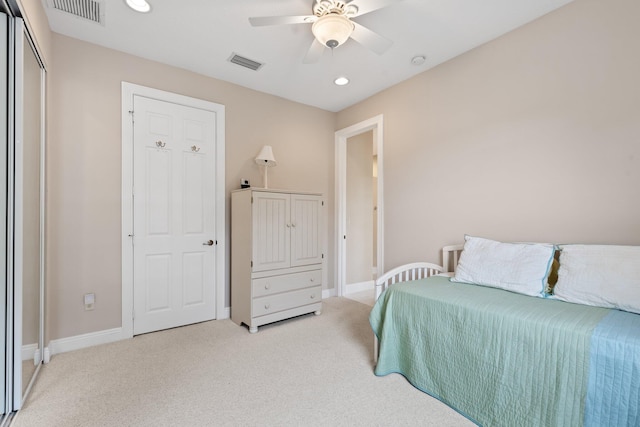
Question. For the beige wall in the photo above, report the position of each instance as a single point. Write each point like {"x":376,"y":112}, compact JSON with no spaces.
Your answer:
{"x":534,"y":136}
{"x":84,"y":167}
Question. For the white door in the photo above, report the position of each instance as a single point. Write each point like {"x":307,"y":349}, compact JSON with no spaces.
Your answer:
{"x":173,"y":215}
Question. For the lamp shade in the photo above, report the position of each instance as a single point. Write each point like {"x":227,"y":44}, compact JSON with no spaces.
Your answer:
{"x":332,"y":30}
{"x":265,"y":158}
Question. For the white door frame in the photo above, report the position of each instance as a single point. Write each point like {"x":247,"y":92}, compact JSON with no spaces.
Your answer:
{"x":130,"y":90}
{"x":376,"y":125}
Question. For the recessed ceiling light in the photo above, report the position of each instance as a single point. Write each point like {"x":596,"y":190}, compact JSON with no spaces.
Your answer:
{"x":418,"y":60}
{"x":341,"y":81}
{"x":139,"y":5}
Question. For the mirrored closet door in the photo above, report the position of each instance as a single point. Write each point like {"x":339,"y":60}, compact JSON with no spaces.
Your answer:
{"x":4,"y":147}
{"x":22,"y":161}
{"x":32,"y":214}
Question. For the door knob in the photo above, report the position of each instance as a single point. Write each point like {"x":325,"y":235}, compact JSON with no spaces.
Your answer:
{"x":208,"y":243}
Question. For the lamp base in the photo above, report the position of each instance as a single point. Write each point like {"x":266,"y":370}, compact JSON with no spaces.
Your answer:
{"x":265,"y":177}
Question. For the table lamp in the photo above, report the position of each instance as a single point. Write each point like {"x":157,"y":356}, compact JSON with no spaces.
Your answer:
{"x":266,"y":159}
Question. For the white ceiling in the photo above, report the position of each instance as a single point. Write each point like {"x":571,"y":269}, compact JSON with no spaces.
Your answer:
{"x":201,"y":35}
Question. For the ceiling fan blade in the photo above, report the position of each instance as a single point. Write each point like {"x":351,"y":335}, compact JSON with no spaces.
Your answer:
{"x":366,"y":6}
{"x":314,"y":53}
{"x":369,"y":39}
{"x":262,"y":21}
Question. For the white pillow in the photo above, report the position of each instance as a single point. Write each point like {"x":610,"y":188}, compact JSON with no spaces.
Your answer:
{"x":516,"y":267}
{"x":601,"y":275}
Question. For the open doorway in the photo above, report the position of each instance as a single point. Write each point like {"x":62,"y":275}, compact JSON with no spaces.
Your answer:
{"x":361,"y":239}
{"x":359,"y":209}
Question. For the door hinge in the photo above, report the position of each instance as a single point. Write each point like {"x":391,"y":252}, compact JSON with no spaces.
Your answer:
{"x":322,"y":255}
{"x":251,"y":199}
{"x":251,"y":263}
{"x":132,"y":116}
{"x":216,"y":243}
{"x":323,"y":203}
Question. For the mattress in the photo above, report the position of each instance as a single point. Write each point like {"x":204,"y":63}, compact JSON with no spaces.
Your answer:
{"x":504,"y":359}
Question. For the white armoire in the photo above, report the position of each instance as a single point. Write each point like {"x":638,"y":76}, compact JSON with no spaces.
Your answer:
{"x":277,"y":258}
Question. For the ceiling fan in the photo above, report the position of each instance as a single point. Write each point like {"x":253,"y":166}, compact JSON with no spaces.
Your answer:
{"x":332,"y":25}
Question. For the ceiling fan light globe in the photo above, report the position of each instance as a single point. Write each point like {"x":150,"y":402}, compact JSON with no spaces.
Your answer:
{"x":332,"y":30}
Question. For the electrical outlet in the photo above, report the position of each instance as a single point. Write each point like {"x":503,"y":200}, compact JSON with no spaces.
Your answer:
{"x":89,"y":301}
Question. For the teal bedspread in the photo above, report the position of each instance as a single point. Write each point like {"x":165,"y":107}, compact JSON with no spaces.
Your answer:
{"x":613,"y":395}
{"x":499,"y":358}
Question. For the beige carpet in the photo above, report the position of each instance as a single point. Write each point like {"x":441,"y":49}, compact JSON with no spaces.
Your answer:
{"x":311,"y":371}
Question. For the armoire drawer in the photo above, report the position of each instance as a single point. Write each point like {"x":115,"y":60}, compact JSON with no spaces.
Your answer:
{"x":274,"y":303}
{"x":286,"y":282}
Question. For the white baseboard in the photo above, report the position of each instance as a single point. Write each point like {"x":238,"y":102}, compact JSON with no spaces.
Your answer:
{"x":226,"y":314}
{"x":328,"y":293}
{"x":91,"y":339}
{"x":353,"y":288}
{"x":28,"y":351}
{"x":359,"y":287}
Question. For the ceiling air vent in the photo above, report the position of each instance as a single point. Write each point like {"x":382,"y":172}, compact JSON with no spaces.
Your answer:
{"x":245,"y":62}
{"x":90,"y":10}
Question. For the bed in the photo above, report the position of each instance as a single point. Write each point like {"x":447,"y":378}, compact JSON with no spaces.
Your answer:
{"x":502,"y":358}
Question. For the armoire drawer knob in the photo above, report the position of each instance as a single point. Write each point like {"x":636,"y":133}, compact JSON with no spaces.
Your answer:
{"x":313,"y":296}
{"x":311,"y":279}
{"x":267,"y":286}
{"x":266,"y":306}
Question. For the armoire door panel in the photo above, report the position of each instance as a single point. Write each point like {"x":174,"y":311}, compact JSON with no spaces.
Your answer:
{"x":272,"y":231}
{"x":306,"y":245}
